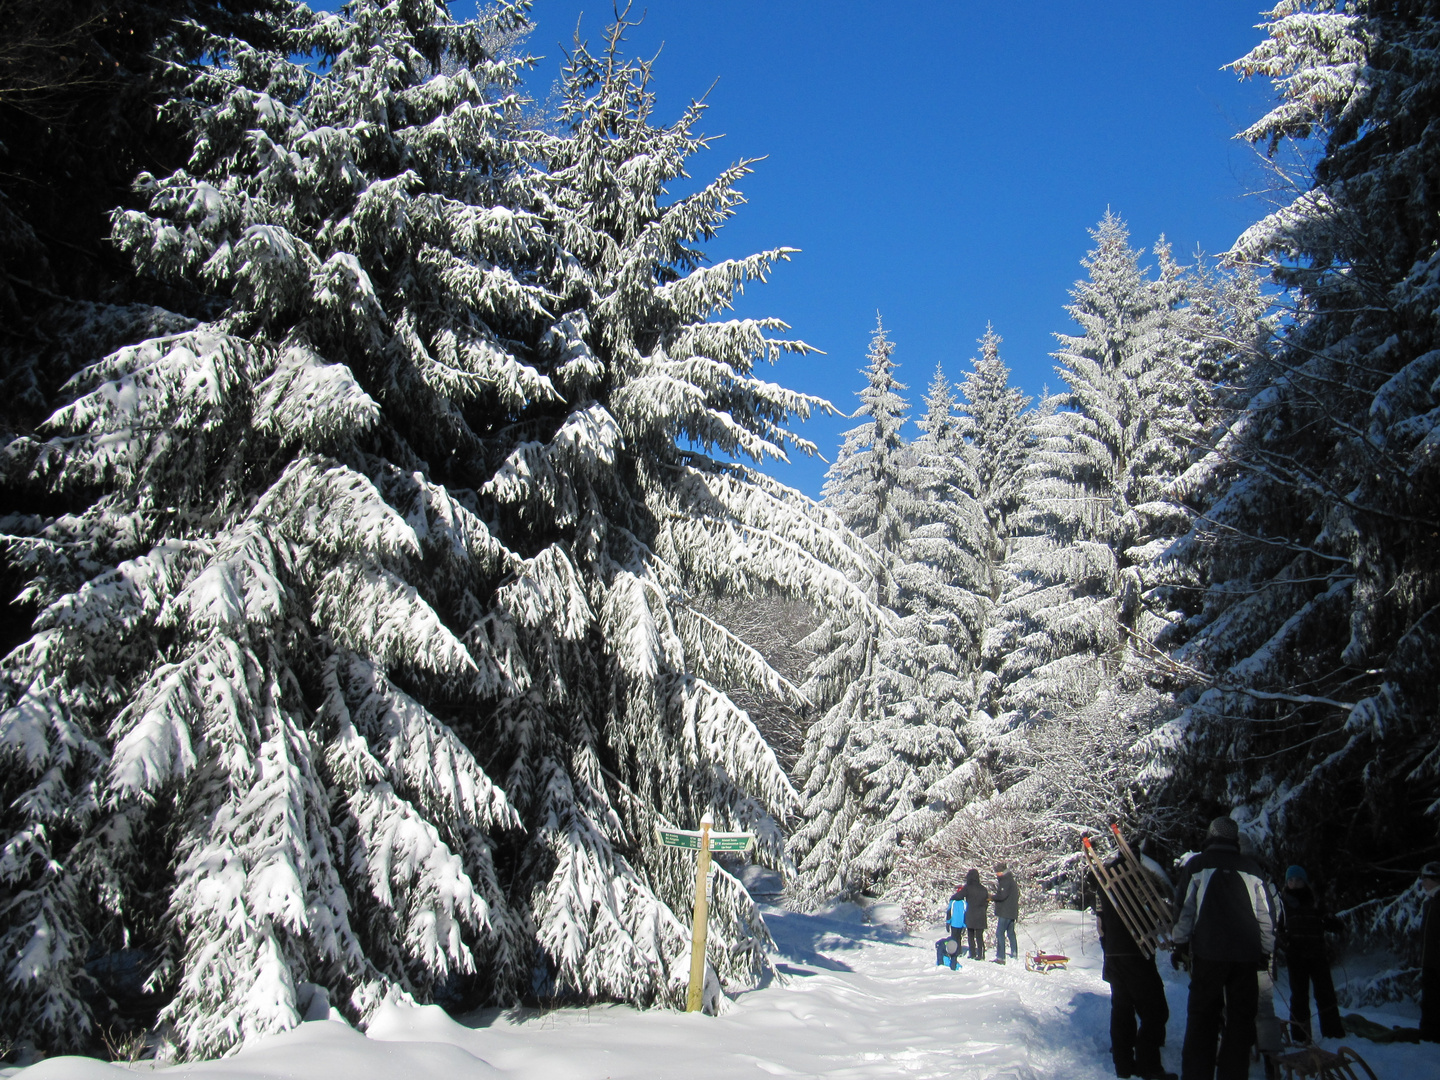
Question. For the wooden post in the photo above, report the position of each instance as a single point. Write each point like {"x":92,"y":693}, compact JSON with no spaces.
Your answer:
{"x":701,"y":924}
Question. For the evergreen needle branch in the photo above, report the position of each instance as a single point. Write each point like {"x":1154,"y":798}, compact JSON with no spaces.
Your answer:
{"x":1154,"y":654}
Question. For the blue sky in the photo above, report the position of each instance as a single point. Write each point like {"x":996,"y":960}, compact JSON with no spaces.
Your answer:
{"x":940,"y":162}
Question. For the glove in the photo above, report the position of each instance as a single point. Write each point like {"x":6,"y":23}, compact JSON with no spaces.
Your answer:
{"x":1180,"y":958}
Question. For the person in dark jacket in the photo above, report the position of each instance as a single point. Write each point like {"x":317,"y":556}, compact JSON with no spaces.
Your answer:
{"x":1301,"y":933}
{"x":1007,"y":909}
{"x":1136,"y":992}
{"x":977,"y":906}
{"x":1225,"y":931}
{"x":1267,"y":1027}
{"x":1430,"y":956}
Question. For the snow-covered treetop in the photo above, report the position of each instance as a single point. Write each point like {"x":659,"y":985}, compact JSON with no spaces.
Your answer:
{"x":860,"y":485}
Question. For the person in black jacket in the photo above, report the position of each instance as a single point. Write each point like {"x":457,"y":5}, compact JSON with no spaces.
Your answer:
{"x":1007,"y":909}
{"x":1135,"y":992}
{"x":1430,"y":956}
{"x":1301,"y":933}
{"x":1226,"y":932}
{"x":977,"y":904}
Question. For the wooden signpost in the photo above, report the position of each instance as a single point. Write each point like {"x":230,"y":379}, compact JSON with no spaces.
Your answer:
{"x":704,"y":841}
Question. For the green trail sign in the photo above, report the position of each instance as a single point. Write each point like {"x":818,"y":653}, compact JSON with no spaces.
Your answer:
{"x":704,"y":842}
{"x":731,"y":841}
{"x":719,"y":841}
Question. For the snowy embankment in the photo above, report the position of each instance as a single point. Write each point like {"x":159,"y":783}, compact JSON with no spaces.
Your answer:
{"x":858,"y":1000}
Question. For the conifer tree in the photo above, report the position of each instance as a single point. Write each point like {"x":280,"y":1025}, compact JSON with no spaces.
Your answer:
{"x":1313,"y":646}
{"x":636,"y":733}
{"x":883,"y":753}
{"x":1104,"y":451}
{"x":946,"y":583}
{"x":946,"y":574}
{"x":995,"y":429}
{"x":997,"y":436}
{"x":368,"y":661}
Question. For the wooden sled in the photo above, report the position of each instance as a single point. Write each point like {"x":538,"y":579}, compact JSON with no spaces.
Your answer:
{"x":1313,"y":1061}
{"x":1134,"y":892}
{"x":1045,"y":962}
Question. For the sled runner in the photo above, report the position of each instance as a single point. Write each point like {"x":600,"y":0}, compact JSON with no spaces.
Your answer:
{"x":1313,"y":1061}
{"x":1134,"y":892}
{"x":1043,"y":962}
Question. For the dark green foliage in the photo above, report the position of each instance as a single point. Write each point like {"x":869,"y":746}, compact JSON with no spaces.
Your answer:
{"x":1317,"y":620}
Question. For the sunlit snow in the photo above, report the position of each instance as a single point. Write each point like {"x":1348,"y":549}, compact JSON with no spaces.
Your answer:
{"x":859,"y":1000}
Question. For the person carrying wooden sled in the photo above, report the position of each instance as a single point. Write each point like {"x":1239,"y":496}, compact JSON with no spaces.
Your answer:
{"x":1136,"y":993}
{"x":1226,"y":933}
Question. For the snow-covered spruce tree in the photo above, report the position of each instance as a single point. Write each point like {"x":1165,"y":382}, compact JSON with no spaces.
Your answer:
{"x":412,"y":504}
{"x":1093,"y":488}
{"x":219,"y":746}
{"x":995,"y":429}
{"x":1315,"y":646}
{"x":880,"y":762}
{"x":946,"y":571}
{"x":996,"y":432}
{"x":622,"y":726}
{"x":1069,"y":643}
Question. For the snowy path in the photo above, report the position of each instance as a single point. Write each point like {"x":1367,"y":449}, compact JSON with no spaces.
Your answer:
{"x":859,"y":1001}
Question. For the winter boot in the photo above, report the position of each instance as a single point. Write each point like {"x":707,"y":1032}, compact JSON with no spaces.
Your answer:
{"x":1147,"y":1064}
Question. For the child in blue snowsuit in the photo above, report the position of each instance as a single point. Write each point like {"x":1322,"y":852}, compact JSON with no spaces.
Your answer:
{"x":955,"y":919}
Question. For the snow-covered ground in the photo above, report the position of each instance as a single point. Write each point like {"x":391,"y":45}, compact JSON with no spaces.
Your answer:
{"x":859,"y":1000}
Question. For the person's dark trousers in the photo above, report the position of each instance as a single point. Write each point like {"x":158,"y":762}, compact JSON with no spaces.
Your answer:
{"x":977,"y":944}
{"x":1005,"y":926}
{"x":1136,"y":992}
{"x":1307,"y":967}
{"x":1221,"y":993}
{"x":1430,"y":1004}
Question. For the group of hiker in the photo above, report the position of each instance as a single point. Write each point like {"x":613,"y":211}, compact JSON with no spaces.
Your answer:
{"x":1229,"y":922}
{"x":968,"y":914}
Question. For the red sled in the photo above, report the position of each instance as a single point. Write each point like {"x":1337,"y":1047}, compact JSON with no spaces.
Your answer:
{"x":1043,"y":962}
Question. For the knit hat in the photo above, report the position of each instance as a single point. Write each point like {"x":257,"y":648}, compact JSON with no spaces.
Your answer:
{"x":1294,"y":872}
{"x":1001,"y":867}
{"x":1431,"y":870}
{"x":1223,"y":828}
